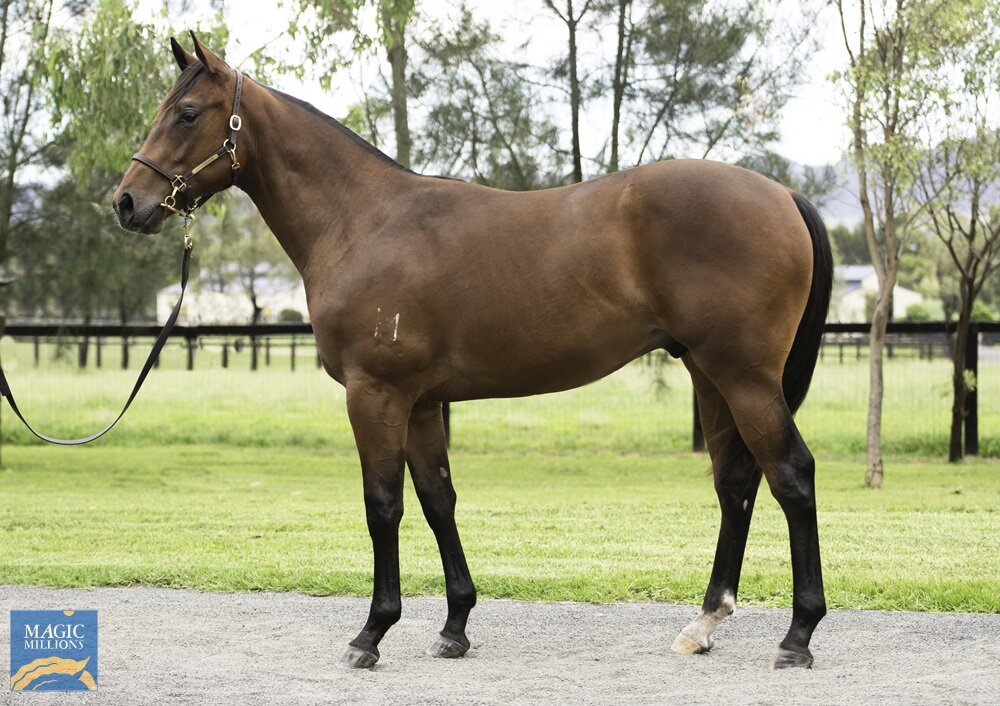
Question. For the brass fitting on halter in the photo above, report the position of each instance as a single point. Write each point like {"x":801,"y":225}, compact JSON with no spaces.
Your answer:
{"x":189,"y":220}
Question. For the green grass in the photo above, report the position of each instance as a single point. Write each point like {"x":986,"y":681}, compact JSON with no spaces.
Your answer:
{"x":595,"y":527}
{"x":231,"y":480}
{"x":624,"y":413}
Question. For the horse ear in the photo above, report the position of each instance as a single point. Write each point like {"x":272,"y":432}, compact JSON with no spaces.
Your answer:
{"x":182,"y":55}
{"x":213,"y":64}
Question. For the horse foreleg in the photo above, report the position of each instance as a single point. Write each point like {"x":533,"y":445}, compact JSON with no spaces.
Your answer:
{"x":427,"y":455}
{"x":737,"y":477}
{"x":379,"y":418}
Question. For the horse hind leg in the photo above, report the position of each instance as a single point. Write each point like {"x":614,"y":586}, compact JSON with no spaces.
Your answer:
{"x":766,"y":426}
{"x":737,"y":477}
{"x":427,"y":456}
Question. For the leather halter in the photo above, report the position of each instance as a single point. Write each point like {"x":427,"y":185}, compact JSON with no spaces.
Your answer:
{"x":189,"y":203}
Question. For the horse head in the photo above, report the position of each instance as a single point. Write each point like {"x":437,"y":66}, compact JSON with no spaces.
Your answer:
{"x":190,"y":151}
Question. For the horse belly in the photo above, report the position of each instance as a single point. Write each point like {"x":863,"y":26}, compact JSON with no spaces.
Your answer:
{"x":536,"y":360}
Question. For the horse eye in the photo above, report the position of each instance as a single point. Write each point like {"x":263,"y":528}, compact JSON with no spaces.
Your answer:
{"x":188,"y":117}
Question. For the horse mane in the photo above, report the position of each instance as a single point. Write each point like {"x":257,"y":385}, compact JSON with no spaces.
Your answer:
{"x":336,"y":124}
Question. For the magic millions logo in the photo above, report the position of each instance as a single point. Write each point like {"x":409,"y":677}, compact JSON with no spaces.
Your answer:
{"x":53,"y":650}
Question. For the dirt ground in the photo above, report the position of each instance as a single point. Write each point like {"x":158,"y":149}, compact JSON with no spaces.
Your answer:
{"x":186,"y":647}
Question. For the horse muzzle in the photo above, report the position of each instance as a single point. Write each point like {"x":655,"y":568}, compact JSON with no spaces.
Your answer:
{"x":148,"y":220}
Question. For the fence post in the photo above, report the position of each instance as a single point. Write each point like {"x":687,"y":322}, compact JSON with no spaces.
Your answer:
{"x":293,"y":353}
{"x":698,"y":441}
{"x":971,"y":397}
{"x":190,"y":351}
{"x":97,"y":351}
{"x":267,"y":352}
{"x":38,"y":351}
{"x":124,"y":352}
{"x":225,"y":354}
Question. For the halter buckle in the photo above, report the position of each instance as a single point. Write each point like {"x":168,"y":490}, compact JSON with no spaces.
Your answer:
{"x":235,"y":123}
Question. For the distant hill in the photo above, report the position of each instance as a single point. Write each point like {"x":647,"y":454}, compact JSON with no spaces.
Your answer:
{"x":840,"y":206}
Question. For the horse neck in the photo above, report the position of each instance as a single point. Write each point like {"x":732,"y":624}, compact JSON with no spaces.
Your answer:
{"x":314,"y":182}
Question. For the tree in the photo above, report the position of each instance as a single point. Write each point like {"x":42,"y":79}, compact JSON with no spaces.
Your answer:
{"x":570,"y":69}
{"x":112,"y":62}
{"x":707,"y":76}
{"x":895,"y":50}
{"x":73,"y":260}
{"x":318,"y":20}
{"x":624,"y":50}
{"x":956,"y":182}
{"x":25,"y":30}
{"x":484,"y":120}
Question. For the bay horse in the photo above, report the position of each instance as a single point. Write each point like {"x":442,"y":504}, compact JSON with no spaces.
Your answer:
{"x":423,"y":290}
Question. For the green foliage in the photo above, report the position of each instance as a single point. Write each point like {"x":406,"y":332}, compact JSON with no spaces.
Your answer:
{"x":701,"y":80}
{"x":107,"y":81}
{"x":917,"y":312}
{"x":316,"y":21}
{"x":484,"y":122}
{"x":849,"y":245}
{"x":75,"y":263}
{"x":24,"y":35}
{"x":367,"y":117}
{"x":290,"y":316}
{"x":983,"y":312}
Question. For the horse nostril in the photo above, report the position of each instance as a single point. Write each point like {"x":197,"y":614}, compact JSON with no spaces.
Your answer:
{"x":125,"y":208}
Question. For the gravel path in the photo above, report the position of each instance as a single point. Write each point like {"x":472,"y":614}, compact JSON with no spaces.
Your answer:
{"x":185,"y":647}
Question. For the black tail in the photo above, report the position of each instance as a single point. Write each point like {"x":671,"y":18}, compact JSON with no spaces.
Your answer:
{"x":805,"y":350}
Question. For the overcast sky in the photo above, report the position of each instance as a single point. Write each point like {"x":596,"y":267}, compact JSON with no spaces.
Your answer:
{"x":812,"y":129}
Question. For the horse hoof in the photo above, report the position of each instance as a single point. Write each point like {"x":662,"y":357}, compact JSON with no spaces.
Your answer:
{"x":684,"y":645}
{"x":446,"y":647}
{"x":357,"y":658}
{"x":787,"y":658}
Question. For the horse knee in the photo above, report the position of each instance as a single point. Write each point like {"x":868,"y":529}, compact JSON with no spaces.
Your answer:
{"x":384,"y":510}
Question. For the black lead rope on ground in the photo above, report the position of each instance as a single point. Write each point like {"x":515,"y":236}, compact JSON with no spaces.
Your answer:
{"x":161,"y":340}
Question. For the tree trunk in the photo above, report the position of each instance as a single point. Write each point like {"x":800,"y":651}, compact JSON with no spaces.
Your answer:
{"x":622,"y":58}
{"x":3,"y":325}
{"x":880,"y":318}
{"x":395,"y":29}
{"x":254,"y":320}
{"x":574,"y":94}
{"x":959,"y":388}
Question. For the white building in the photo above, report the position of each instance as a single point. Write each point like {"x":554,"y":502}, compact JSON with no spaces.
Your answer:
{"x":855,"y":286}
{"x":212,"y":307}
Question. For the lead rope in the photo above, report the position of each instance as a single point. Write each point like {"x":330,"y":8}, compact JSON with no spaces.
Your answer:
{"x":161,"y":340}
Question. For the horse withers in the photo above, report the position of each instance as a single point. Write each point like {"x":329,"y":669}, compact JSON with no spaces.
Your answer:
{"x":424,"y":290}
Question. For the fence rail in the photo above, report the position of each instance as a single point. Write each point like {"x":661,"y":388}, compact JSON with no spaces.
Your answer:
{"x":923,"y":340}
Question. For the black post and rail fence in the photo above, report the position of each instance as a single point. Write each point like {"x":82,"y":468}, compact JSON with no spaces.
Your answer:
{"x":928,"y":339}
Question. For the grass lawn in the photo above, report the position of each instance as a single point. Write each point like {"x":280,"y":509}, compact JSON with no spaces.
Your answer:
{"x":231,"y":480}
{"x":624,"y":413}
{"x":592,"y":527}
